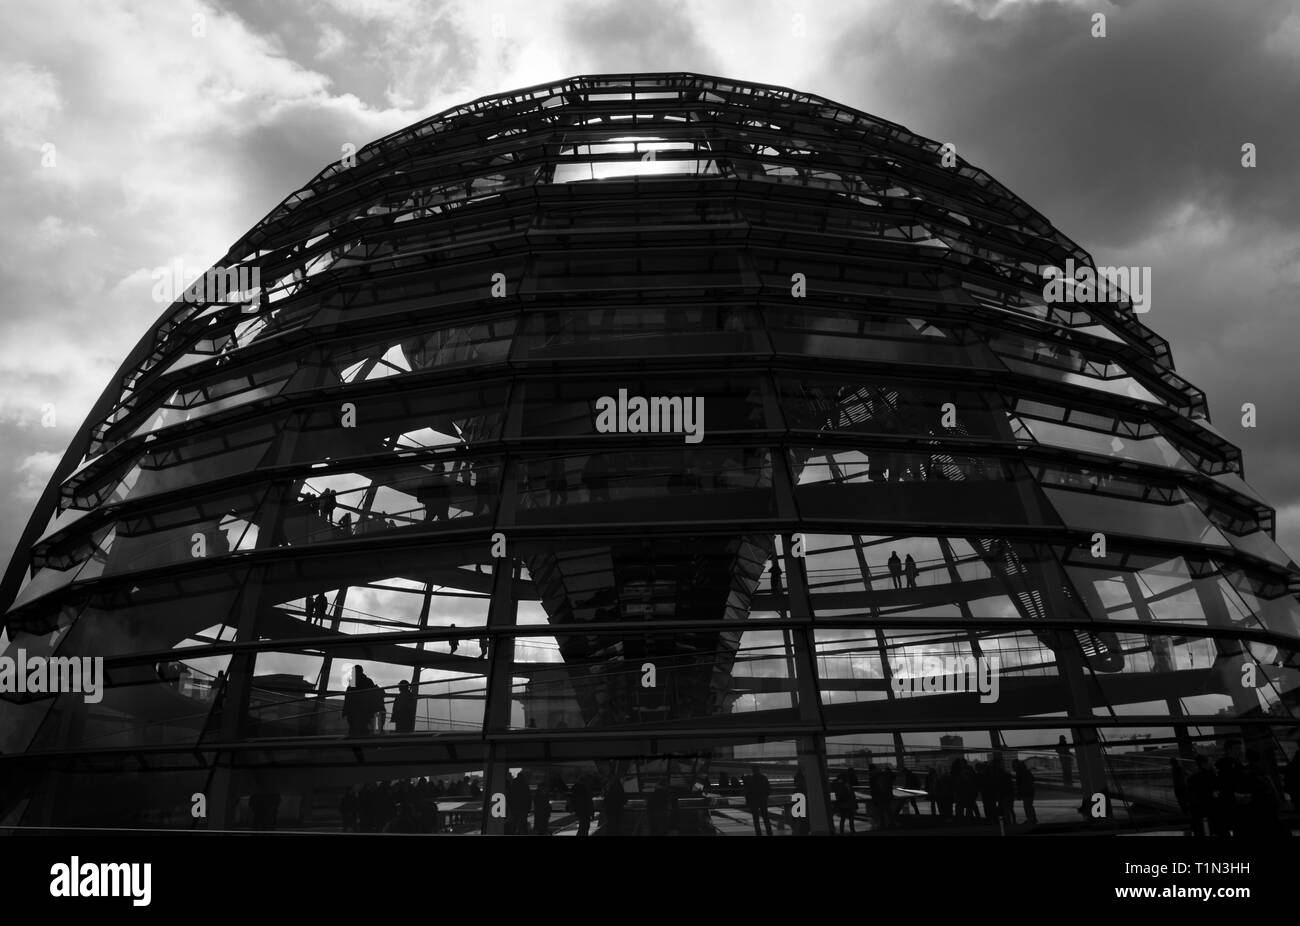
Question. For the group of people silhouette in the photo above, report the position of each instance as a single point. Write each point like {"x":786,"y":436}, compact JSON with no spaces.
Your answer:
{"x":955,"y":793}
{"x":434,"y":497}
{"x":1229,"y":796}
{"x":401,"y":806}
{"x":523,"y":802}
{"x":365,"y":706}
{"x":1235,"y":797}
{"x":899,"y":568}
{"x":959,"y":792}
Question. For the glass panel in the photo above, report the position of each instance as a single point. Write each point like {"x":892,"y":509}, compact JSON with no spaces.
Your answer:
{"x":967,"y":675}
{"x":1273,"y":605}
{"x":812,"y":332}
{"x":593,"y":681}
{"x":895,"y":485}
{"x":646,"y":271}
{"x":149,"y":798}
{"x":1179,"y":521}
{"x":163,"y":468}
{"x":197,"y":529}
{"x":695,"y":484}
{"x":646,"y":331}
{"x":852,"y":577}
{"x":362,"y":691}
{"x":714,"y":578}
{"x":415,"y":496}
{"x":1122,"y":386}
{"x":1154,"y":450}
{"x":416,"y":351}
{"x":1148,"y":588}
{"x":838,"y":403}
{"x":162,"y":703}
{"x":645,"y":405}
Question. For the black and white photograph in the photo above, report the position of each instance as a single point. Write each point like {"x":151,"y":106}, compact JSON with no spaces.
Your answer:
{"x":825,"y":421}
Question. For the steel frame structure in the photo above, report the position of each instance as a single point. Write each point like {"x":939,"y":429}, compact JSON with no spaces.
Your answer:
{"x":465,"y":291}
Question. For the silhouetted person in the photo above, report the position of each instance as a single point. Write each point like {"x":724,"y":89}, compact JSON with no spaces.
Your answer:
{"x":846,"y":803}
{"x":358,"y":704}
{"x":615,"y":798}
{"x":887,"y":784}
{"x":1230,"y":781}
{"x":1067,"y":762}
{"x":581,"y":806}
{"x":437,"y":497}
{"x":757,"y":791}
{"x":327,"y":502}
{"x":947,"y":796}
{"x":404,"y":708}
{"x":542,"y":810}
{"x":932,"y":790}
{"x":965,"y":790}
{"x":896,"y":568}
{"x":909,"y":567}
{"x":319,"y":606}
{"x":453,"y":643}
{"x":912,"y":783}
{"x":1025,"y":789}
{"x":518,"y":799}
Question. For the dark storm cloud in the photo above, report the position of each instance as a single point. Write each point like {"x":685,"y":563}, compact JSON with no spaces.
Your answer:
{"x":1119,"y":132}
{"x":1131,"y":145}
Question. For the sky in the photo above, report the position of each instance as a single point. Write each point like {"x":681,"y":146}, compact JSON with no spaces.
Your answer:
{"x":135,"y":135}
